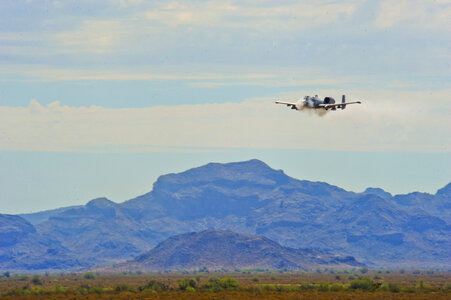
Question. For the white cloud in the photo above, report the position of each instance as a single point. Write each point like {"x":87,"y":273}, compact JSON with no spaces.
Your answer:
{"x":93,"y":36}
{"x":200,"y":76}
{"x":418,"y":13}
{"x":245,"y":14}
{"x":274,"y":81}
{"x":386,"y":121}
{"x":80,"y":74}
{"x":338,"y":35}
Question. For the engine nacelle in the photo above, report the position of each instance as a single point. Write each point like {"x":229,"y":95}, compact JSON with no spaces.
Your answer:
{"x":329,"y":100}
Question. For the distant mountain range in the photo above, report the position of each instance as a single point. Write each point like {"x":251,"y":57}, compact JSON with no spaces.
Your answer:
{"x":23,"y":248}
{"x":36,"y":218}
{"x":249,"y":197}
{"x":214,"y":250}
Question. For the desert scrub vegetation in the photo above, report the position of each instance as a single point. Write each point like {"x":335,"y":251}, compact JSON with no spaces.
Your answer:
{"x":36,"y":280}
{"x":216,"y":284}
{"x":189,"y":285}
{"x":271,"y":285}
{"x":154,"y":286}
{"x":89,"y":275}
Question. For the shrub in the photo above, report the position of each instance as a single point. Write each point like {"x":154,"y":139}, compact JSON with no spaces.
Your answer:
{"x":338,"y":277}
{"x":18,"y":292}
{"x":335,"y":287}
{"x":185,"y":283}
{"x":154,"y":286}
{"x":363,"y":270}
{"x":269,"y":287}
{"x":422,"y":286}
{"x":215,"y":284}
{"x":7,"y":274}
{"x":346,"y":286}
{"x":274,"y":288}
{"x":23,"y":277}
{"x":391,"y":287}
{"x":203,"y":269}
{"x":58,"y":289}
{"x":409,"y":290}
{"x":255,"y":279}
{"x":89,"y":275}
{"x":214,"y":279}
{"x":323,"y":287}
{"x":36,"y":280}
{"x":365,"y":284}
{"x":122,"y":288}
{"x":228,"y":283}
{"x":96,"y":289}
{"x":82,"y":291}
{"x":306,"y":286}
{"x":37,"y":290}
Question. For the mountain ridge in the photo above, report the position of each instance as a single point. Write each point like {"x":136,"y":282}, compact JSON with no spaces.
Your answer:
{"x":250,"y":197}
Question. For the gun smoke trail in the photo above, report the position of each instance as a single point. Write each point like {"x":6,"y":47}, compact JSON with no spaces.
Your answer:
{"x":319,"y":112}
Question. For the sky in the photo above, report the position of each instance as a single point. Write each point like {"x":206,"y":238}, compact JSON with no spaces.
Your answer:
{"x":99,"y":98}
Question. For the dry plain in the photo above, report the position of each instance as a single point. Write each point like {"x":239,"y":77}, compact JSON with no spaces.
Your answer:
{"x":377,"y":284}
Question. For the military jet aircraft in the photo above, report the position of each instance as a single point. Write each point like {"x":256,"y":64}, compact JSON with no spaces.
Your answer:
{"x":316,"y":103}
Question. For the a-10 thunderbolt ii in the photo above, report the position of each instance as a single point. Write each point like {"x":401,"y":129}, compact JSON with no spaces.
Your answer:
{"x":316,"y":103}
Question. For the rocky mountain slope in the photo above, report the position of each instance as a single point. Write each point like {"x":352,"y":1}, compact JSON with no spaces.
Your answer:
{"x":250,"y":197}
{"x":23,"y":248}
{"x":38,"y":217}
{"x":215,"y":250}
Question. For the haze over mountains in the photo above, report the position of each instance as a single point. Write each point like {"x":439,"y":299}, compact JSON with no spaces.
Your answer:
{"x":248,"y":197}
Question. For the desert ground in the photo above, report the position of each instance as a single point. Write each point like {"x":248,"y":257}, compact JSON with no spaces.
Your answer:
{"x":246,"y":284}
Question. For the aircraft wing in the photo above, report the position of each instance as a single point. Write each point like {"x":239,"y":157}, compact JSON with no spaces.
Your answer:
{"x":327,"y":106}
{"x":286,"y":103}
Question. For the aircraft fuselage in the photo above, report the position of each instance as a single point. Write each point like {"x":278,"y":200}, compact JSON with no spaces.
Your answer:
{"x":314,"y":102}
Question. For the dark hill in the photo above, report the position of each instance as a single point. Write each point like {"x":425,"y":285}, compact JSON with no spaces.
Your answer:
{"x":229,"y":250}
